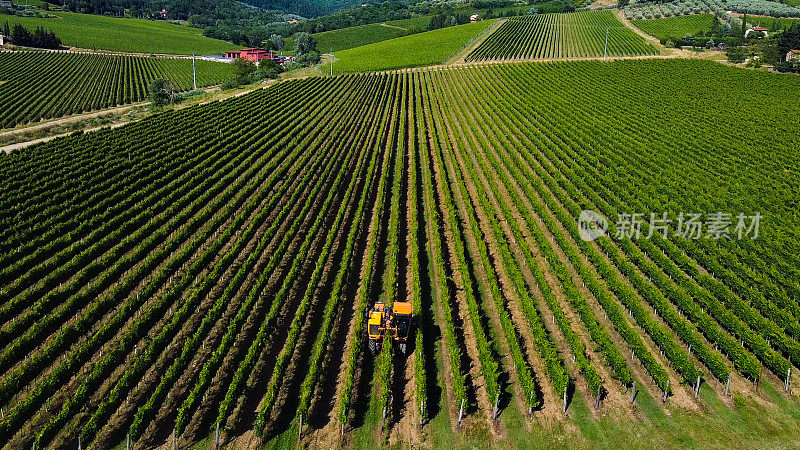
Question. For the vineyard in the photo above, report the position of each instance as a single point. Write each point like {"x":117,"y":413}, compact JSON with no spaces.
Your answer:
{"x":559,"y":36}
{"x":46,"y":85}
{"x":676,"y":27}
{"x":162,"y":286}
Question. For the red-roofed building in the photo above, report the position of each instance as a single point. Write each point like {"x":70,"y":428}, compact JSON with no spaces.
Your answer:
{"x":756,"y":30}
{"x":251,"y":54}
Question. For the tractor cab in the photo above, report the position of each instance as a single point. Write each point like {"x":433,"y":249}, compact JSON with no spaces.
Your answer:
{"x":391,"y":322}
{"x":401,"y":323}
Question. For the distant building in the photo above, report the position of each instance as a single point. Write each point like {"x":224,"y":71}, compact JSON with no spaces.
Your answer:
{"x":251,"y":54}
{"x":793,"y":55}
{"x":473,"y":18}
{"x":756,"y":30}
{"x":292,"y":21}
{"x":6,"y":3}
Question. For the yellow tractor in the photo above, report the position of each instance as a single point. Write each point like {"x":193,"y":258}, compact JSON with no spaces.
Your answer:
{"x":393,"y":322}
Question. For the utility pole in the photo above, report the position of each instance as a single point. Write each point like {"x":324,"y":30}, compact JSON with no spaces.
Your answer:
{"x":605,"y":50}
{"x":194,"y":73}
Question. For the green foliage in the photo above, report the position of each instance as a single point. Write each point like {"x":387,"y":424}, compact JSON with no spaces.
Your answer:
{"x":304,"y":43}
{"x":345,"y":38}
{"x":243,"y":68}
{"x":431,"y":47}
{"x":736,"y":54}
{"x":678,"y":27}
{"x":573,"y":35}
{"x":161,"y":91}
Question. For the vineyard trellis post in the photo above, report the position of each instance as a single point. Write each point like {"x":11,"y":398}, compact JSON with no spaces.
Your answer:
{"x":728,"y":386}
{"x":79,"y":442}
{"x":633,"y":392}
{"x":300,"y":429}
{"x":530,"y":407}
{"x":461,"y":412}
{"x":664,"y":400}
{"x":216,"y":437}
{"x":788,"y":376}
{"x":565,"y":399}
{"x":128,"y":442}
{"x":494,"y":410}
{"x":383,"y":421}
{"x":697,"y":387}
{"x":597,"y":399}
{"x":194,"y":74}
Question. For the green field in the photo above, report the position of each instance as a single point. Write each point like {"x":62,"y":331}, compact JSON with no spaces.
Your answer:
{"x":46,"y":85}
{"x":337,"y":40}
{"x":676,"y":27}
{"x":125,"y":35}
{"x":430,"y":47}
{"x":773,"y":22}
{"x":561,"y":36}
{"x":210,"y":267}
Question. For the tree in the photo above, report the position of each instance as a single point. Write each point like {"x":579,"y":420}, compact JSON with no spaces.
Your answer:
{"x":304,"y":43}
{"x":309,"y":58}
{"x":744,"y":25}
{"x":161,"y":92}
{"x":789,"y":40}
{"x":623,"y":3}
{"x":242,"y":69}
{"x":736,"y":55}
{"x":268,"y":68}
{"x":20,"y":35}
{"x":7,"y":31}
{"x":276,"y":42}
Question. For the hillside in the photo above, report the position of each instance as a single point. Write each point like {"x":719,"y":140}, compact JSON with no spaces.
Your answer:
{"x":430,"y":47}
{"x":31,"y":89}
{"x":89,"y":31}
{"x":676,"y":27}
{"x":557,"y":36}
{"x":152,"y":272}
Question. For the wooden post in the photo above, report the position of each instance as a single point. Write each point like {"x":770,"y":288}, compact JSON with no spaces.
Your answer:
{"x":565,"y":399}
{"x":728,"y":386}
{"x":174,"y":439}
{"x":697,"y":388}
{"x":128,"y":442}
{"x":461,"y":413}
{"x":786,"y":383}
{"x":216,"y":437}
{"x":383,"y":422}
{"x":597,"y":400}
{"x":300,"y":429}
{"x":530,"y":407}
{"x":79,"y":442}
{"x":494,"y":410}
{"x":664,"y":400}
{"x":421,"y":414}
{"x":633,"y":392}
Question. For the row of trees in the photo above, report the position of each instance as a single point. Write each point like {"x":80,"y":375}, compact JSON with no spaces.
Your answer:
{"x":39,"y":38}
